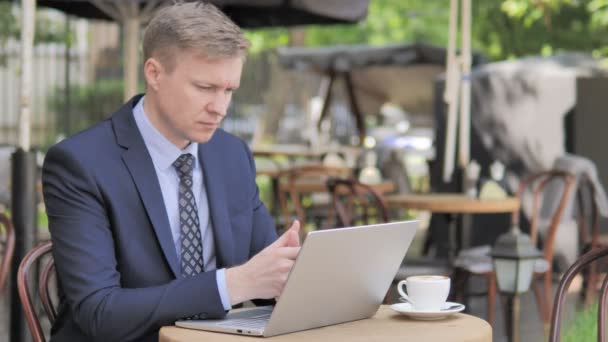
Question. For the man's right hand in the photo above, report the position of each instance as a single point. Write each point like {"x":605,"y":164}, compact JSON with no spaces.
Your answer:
{"x":264,"y":276}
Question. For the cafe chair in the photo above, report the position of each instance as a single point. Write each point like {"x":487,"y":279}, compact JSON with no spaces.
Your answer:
{"x":477,"y":261}
{"x":306,"y":180}
{"x":355,"y":203}
{"x":560,"y":296}
{"x":7,"y":241}
{"x":588,"y":215}
{"x":36,"y":256}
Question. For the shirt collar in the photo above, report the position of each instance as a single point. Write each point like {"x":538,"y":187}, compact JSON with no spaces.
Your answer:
{"x":162,"y":151}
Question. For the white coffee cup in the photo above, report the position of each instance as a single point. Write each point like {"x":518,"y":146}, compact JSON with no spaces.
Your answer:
{"x":425,"y":292}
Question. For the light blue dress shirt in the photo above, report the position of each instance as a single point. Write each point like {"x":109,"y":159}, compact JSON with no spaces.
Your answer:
{"x":163,"y":154}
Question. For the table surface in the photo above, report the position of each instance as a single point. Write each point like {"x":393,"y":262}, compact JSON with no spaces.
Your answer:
{"x":301,"y":150}
{"x":386,"y":325}
{"x":452,"y":203}
{"x":318,"y":185}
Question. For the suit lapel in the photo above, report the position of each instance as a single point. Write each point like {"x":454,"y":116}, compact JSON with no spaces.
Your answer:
{"x":140,"y":165}
{"x":216,"y":193}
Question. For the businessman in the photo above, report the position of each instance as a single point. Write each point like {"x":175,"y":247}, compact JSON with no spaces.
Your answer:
{"x":154,"y":213}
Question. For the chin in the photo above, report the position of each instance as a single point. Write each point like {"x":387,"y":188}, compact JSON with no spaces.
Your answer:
{"x":202,"y":138}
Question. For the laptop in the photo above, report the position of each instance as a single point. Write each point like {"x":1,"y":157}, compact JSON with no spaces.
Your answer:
{"x":340,"y":275}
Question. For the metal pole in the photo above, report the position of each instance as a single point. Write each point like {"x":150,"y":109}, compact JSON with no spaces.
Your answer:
{"x":23,"y":193}
{"x":512,"y":318}
{"x":67,"y":117}
{"x":24,"y":215}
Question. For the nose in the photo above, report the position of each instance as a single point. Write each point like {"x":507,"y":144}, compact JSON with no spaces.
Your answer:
{"x":219,"y":103}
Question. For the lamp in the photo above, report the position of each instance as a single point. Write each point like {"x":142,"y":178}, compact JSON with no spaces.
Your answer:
{"x":514,"y":256}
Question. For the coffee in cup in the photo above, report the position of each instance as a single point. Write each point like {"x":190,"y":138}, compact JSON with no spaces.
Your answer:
{"x":425,"y":292}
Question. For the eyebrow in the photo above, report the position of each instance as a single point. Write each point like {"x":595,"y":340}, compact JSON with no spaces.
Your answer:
{"x":211,"y":84}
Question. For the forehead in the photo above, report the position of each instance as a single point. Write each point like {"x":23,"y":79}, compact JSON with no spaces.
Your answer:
{"x":198,"y":67}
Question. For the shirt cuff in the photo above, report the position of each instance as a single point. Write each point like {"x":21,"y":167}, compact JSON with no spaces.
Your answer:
{"x":220,"y":277}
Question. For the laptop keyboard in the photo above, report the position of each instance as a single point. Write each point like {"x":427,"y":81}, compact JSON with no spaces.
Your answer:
{"x":257,"y":320}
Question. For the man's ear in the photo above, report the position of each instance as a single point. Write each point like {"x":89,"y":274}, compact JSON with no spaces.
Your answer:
{"x":153,"y":70}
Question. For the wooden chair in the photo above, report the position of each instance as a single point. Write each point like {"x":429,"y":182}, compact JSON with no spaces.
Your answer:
{"x":296,"y":181}
{"x":584,"y":261}
{"x":24,"y":284}
{"x":7,"y":240}
{"x":481,"y":264}
{"x":355,"y":203}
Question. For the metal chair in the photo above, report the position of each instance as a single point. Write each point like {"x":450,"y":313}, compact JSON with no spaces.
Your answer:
{"x":7,"y":240}
{"x":589,"y":234}
{"x":24,"y":285}
{"x":481,"y":264}
{"x":560,"y":296}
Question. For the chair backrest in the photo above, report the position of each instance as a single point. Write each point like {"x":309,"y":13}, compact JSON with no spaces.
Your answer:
{"x":537,"y":183}
{"x":560,"y":296}
{"x":588,"y":213}
{"x":7,"y":240}
{"x":24,"y":284}
{"x":292,"y":182}
{"x":355,"y":202}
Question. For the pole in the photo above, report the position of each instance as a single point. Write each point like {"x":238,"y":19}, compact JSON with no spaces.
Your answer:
{"x":24,"y":216}
{"x":512,"y":318}
{"x":23,"y":173}
{"x":68,"y":44}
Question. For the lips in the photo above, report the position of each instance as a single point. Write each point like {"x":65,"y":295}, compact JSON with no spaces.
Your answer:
{"x":208,"y":124}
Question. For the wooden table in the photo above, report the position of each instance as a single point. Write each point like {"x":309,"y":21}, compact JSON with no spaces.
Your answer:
{"x":386,"y":325}
{"x":302,"y":151}
{"x":453,"y":205}
{"x":318,"y":185}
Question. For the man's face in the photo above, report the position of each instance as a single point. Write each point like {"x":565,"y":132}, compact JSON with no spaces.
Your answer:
{"x":190,"y":101}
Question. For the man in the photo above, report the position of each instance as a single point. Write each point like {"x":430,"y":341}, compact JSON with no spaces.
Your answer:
{"x":154,"y":213}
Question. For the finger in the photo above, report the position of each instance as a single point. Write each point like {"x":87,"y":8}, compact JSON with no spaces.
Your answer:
{"x":288,"y":252}
{"x":293,"y":239}
{"x":283,"y":239}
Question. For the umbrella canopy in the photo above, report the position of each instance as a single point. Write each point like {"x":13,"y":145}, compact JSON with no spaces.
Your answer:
{"x":246,"y":13}
{"x":400,"y":74}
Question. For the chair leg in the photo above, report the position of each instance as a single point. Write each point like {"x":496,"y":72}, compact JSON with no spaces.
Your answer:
{"x":491,"y":297}
{"x":540,"y":299}
{"x":548,"y":301}
{"x":460,"y":279}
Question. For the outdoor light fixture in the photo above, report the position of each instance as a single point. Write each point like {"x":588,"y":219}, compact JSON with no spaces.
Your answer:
{"x":514,"y":256}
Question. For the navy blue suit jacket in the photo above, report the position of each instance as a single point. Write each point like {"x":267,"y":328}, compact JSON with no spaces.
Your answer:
{"x":117,"y":265}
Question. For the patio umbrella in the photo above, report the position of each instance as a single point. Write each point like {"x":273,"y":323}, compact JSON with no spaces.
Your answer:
{"x":401,"y":74}
{"x":458,"y":84}
{"x":246,"y":13}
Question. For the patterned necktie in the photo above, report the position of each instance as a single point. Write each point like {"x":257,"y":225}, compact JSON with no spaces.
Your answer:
{"x":190,"y":233}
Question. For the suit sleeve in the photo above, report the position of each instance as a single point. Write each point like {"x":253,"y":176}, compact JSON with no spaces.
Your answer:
{"x":85,"y":258}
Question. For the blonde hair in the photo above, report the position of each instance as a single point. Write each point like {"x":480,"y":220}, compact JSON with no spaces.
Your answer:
{"x":193,"y":25}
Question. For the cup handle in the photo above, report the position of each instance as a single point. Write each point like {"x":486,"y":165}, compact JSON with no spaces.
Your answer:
{"x":401,"y":292}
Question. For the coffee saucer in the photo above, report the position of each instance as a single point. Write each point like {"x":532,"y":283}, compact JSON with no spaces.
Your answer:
{"x":449,"y":308}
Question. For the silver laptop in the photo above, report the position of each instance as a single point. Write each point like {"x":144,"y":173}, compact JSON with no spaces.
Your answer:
{"x":340,"y":275}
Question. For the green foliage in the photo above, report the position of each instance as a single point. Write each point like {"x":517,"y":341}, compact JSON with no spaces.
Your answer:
{"x":501,"y":28}
{"x":89,"y":104}
{"x":583,"y":327}
{"x":48,"y":29}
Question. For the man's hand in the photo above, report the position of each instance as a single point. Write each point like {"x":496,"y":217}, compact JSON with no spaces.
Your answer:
{"x":264,"y":276}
